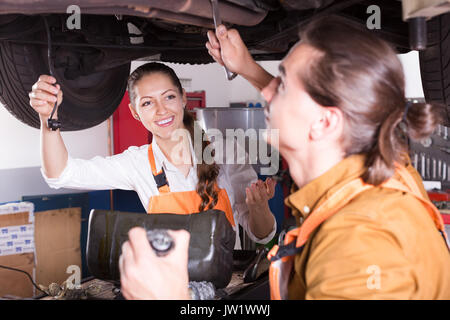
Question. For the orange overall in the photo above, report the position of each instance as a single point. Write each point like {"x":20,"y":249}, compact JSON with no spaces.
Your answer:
{"x":185,"y":202}
{"x":282,"y":256}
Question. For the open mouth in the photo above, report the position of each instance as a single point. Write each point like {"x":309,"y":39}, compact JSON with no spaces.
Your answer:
{"x":165,"y":122}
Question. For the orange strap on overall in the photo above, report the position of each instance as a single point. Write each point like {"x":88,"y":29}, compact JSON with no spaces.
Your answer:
{"x":160,"y":177}
{"x":184,"y":202}
{"x":281,"y":257}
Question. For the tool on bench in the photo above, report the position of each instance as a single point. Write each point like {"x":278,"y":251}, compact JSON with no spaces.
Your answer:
{"x":259,"y":266}
{"x":218,"y":22}
{"x":52,"y":124}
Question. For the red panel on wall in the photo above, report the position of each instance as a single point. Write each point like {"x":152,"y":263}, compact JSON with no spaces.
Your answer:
{"x":195,"y":99}
{"x":127,"y":130}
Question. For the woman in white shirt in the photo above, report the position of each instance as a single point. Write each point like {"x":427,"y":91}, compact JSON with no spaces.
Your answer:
{"x":166,"y":174}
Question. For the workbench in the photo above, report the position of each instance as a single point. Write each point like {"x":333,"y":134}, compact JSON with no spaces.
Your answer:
{"x":236,"y":289}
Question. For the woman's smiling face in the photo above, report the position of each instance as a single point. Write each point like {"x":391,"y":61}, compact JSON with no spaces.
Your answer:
{"x":159,"y":104}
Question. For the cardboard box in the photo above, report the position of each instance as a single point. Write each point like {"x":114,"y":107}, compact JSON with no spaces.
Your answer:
{"x":57,"y":238}
{"x":17,"y":249}
{"x":44,"y":244}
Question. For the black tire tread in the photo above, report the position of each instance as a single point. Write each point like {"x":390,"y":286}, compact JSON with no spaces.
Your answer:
{"x":435,"y":63}
{"x":19,"y":70}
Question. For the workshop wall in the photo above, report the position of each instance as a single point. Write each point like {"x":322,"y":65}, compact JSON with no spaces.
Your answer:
{"x":19,"y":143}
{"x":20,"y":156}
{"x":221,"y":92}
{"x":211,"y":77}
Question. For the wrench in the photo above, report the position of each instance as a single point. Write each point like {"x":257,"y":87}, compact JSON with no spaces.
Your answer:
{"x":52,"y":124}
{"x":218,"y":22}
{"x":422,"y":165}
{"x":433,"y":169}
{"x":416,"y":161}
{"x":444,"y":171}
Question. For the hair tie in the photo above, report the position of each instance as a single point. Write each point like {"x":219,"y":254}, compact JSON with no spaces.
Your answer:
{"x":407,"y":106}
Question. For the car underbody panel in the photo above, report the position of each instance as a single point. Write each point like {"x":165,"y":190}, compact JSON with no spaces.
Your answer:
{"x":175,"y":30}
{"x":195,"y":12}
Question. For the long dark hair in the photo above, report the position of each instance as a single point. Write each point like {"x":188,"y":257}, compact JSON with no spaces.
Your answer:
{"x":361,"y":74}
{"x":207,"y":173}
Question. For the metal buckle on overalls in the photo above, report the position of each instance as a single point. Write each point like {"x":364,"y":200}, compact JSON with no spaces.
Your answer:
{"x":283,"y":233}
{"x":161,"y":179}
{"x":282,"y":236}
{"x":287,"y":250}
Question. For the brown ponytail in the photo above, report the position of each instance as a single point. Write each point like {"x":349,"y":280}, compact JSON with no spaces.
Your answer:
{"x":417,"y":122}
{"x":207,"y":173}
{"x":361,"y":74}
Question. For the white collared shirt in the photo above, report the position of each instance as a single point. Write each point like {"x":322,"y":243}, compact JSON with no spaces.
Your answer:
{"x":131,"y":170}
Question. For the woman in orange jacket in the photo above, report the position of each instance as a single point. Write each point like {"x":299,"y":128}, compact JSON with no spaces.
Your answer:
{"x":366,"y":228}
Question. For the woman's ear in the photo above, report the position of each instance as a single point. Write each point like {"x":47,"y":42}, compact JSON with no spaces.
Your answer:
{"x":133,"y":112}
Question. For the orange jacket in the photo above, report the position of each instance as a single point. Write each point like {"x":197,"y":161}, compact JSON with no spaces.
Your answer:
{"x":381,"y":245}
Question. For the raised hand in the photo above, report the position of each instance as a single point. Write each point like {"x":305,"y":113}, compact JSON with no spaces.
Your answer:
{"x":227,"y":48}
{"x":44,"y":94}
{"x":260,"y":192}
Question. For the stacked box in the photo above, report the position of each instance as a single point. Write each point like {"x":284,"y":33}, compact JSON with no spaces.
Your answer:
{"x":17,"y":249}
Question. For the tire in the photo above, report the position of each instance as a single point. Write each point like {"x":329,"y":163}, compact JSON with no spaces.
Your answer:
{"x":88,"y":100}
{"x":435,"y":64}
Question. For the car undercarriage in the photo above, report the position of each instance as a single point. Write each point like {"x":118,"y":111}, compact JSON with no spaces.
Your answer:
{"x":90,"y":57}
